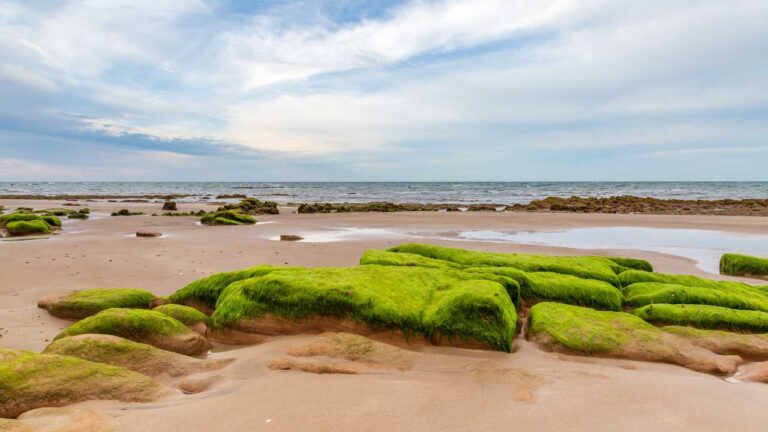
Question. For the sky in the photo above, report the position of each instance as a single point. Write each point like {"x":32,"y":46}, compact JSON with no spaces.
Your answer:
{"x":346,"y":90}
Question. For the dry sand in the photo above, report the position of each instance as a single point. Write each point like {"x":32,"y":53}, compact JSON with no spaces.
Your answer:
{"x":447,"y":388}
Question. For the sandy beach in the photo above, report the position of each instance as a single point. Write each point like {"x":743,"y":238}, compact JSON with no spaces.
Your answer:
{"x":446,"y":388}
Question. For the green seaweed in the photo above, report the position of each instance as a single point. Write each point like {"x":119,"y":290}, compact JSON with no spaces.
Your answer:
{"x":630,"y":277}
{"x":206,"y":291}
{"x":127,"y":323}
{"x":381,"y":257}
{"x":90,"y":301}
{"x":705,"y":317}
{"x":227,"y":217}
{"x":743,"y":265}
{"x":597,"y":268}
{"x":645,"y":293}
{"x":547,"y":286}
{"x":21,"y":227}
{"x":185,"y":314}
{"x":413,"y":299}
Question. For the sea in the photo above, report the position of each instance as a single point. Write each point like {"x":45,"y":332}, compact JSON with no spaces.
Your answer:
{"x":397,"y":192}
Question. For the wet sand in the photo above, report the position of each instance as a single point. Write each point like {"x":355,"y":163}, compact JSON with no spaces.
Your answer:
{"x":448,"y":389}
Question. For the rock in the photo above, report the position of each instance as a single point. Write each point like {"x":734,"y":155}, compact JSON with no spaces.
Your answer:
{"x":357,"y":349}
{"x":68,"y":420}
{"x":285,"y":364}
{"x":198,"y":385}
{"x":148,"y":233}
{"x":227,"y":217}
{"x":754,"y":372}
{"x":290,"y":237}
{"x":150,"y":327}
{"x":30,"y":380}
{"x":751,"y":346}
{"x":84,"y":303}
{"x":583,"y":331}
{"x":138,"y":357}
{"x":169,"y":206}
{"x":189,"y":316}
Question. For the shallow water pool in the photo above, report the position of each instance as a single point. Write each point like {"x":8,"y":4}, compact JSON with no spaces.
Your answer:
{"x":703,"y":246}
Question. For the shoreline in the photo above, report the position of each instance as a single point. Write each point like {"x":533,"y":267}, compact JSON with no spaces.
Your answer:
{"x":590,"y":205}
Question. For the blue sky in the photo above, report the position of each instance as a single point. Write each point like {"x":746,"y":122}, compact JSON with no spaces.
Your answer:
{"x":383,"y":90}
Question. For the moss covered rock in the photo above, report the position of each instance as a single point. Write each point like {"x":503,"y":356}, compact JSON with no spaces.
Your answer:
{"x":646,"y":293}
{"x":380,"y":257}
{"x":547,"y":286}
{"x":634,"y":276}
{"x":189,"y":316}
{"x":84,"y":303}
{"x":597,"y":268}
{"x":33,"y":227}
{"x":16,"y":217}
{"x":31,"y":380}
{"x":579,"y":330}
{"x":145,"y":326}
{"x":445,"y":306}
{"x":744,"y":265}
{"x":705,"y":317}
{"x":750,"y":346}
{"x":139,"y":357}
{"x":203,"y":294}
{"x":227,"y":217}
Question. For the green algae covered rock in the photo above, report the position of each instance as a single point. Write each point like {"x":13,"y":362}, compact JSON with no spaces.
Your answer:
{"x":597,"y":268}
{"x":203,"y":293}
{"x":631,"y":263}
{"x":31,"y":380}
{"x":84,"y":303}
{"x":21,"y":228}
{"x":579,"y":330}
{"x":546,"y":286}
{"x":646,"y":293}
{"x":138,"y":357}
{"x":704,"y":317}
{"x":744,"y":265}
{"x":381,"y":257}
{"x":749,"y":346}
{"x":634,"y":276}
{"x":16,"y":217}
{"x":445,"y":306}
{"x":185,"y":314}
{"x":145,"y":326}
{"x":227,"y":217}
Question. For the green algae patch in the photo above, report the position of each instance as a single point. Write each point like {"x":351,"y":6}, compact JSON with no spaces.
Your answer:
{"x":631,"y":263}
{"x":450,"y":306}
{"x":32,"y":227}
{"x":126,"y":212}
{"x":744,"y":265}
{"x":138,"y":357}
{"x":227,"y":217}
{"x":630,"y":277}
{"x":647,"y":293}
{"x":31,"y":380}
{"x":749,"y":346}
{"x":185,"y":314}
{"x":17,"y":217}
{"x":81,"y":304}
{"x":704,"y":317}
{"x":381,"y":257}
{"x":579,"y":330}
{"x":145,"y":326}
{"x":597,"y":268}
{"x":546,"y":286}
{"x":204,"y":293}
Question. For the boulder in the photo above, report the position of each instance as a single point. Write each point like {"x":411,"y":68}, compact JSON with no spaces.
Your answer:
{"x":84,"y":303}
{"x":189,"y":316}
{"x":750,"y":346}
{"x":290,"y":237}
{"x":583,"y":331}
{"x":31,"y":380}
{"x":148,"y":233}
{"x":138,"y":357}
{"x":169,"y":206}
{"x":145,"y":326}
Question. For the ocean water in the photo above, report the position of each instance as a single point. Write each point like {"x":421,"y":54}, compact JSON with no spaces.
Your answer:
{"x":399,"y":192}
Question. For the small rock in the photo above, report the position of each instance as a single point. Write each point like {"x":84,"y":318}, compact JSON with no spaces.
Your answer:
{"x":148,"y":233}
{"x":290,"y":237}
{"x":169,"y":206}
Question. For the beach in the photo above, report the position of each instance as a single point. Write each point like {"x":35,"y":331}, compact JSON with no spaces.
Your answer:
{"x":446,"y":388}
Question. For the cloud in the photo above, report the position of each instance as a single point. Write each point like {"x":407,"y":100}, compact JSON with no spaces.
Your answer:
{"x":472,"y":86}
